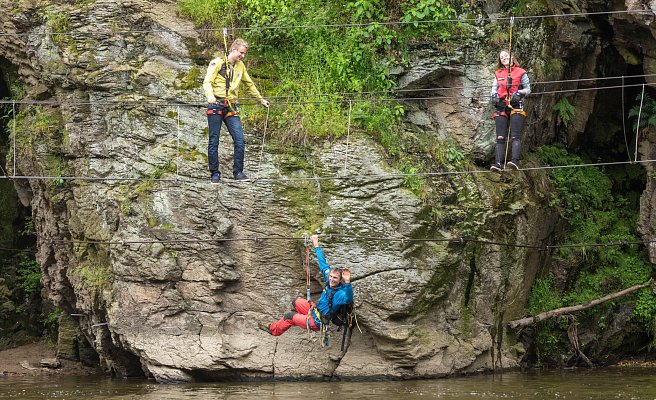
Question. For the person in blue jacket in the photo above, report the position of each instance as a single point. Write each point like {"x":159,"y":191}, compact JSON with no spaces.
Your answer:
{"x":308,"y":315}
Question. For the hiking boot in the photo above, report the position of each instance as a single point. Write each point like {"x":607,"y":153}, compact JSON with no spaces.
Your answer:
{"x":496,"y":167}
{"x":216,"y":178}
{"x":264,"y":326}
{"x":289,"y":315}
{"x":513,"y":165}
{"x":240,"y":176}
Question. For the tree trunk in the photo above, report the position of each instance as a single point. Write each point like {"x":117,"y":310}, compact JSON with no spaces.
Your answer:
{"x":564,"y":310}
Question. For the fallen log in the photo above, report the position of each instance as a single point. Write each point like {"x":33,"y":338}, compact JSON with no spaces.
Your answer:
{"x":565,"y":310}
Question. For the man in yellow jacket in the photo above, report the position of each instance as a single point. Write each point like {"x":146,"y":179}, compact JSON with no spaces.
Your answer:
{"x":221,"y":87}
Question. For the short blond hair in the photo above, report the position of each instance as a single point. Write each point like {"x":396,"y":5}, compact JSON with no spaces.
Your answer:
{"x":238,"y":43}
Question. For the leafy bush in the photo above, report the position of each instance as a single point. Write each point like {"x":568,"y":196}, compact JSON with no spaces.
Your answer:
{"x":28,"y":276}
{"x":335,"y":47}
{"x":595,"y":214}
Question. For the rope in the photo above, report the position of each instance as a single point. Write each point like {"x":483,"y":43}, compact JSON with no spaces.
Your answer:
{"x":266,"y":124}
{"x":177,"y":148}
{"x":13,"y":110}
{"x":348,"y":134}
{"x":340,"y":177}
{"x":626,"y":140}
{"x":348,"y":237}
{"x":638,"y":124}
{"x":347,"y":94}
{"x":345,"y":25}
{"x":307,"y":271}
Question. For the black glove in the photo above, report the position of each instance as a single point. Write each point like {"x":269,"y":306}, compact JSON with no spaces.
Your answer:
{"x":494,"y":99}
{"x":516,"y":97}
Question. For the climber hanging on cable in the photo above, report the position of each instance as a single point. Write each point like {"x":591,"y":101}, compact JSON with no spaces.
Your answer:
{"x":336,"y":298}
{"x":511,"y":85}
{"x":221,"y":87}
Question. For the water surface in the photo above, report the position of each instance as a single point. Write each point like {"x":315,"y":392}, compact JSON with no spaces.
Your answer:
{"x":633,"y":384}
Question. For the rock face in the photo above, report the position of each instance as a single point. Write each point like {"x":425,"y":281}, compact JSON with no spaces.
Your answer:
{"x":171,"y":274}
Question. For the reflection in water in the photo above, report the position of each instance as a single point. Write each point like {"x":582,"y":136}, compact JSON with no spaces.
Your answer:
{"x":633,"y":384}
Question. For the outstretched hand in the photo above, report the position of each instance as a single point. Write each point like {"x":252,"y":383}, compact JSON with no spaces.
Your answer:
{"x":346,"y":275}
{"x":315,"y":240}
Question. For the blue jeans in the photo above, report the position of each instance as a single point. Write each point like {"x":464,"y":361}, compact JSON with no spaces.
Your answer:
{"x":233,"y":124}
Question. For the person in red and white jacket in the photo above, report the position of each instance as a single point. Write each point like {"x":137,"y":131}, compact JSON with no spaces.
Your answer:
{"x":511,"y":85}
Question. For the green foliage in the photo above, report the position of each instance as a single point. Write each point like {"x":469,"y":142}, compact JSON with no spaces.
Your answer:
{"x":645,"y":313}
{"x":543,"y":296}
{"x":28,"y":227}
{"x":317,"y":59}
{"x":428,"y":10}
{"x":577,"y":190}
{"x":28,"y":276}
{"x":51,"y":320}
{"x":448,"y":153}
{"x":647,"y":113}
{"x":565,"y":110}
{"x":57,"y":21}
{"x":413,"y":182}
{"x":594,"y":214}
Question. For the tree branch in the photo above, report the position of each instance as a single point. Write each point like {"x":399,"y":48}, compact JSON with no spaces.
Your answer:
{"x":564,"y":310}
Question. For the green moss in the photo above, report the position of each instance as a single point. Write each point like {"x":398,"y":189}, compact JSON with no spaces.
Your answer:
{"x":126,"y":207}
{"x":38,"y":127}
{"x":630,"y":57}
{"x":191,"y":80}
{"x":93,"y":270}
{"x":307,"y":201}
{"x":191,"y":153}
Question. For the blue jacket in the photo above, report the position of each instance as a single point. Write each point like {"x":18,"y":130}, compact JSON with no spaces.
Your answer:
{"x":343,"y":293}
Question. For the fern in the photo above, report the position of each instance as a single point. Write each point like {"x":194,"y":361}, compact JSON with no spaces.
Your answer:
{"x":565,"y":110}
{"x":647,"y":113}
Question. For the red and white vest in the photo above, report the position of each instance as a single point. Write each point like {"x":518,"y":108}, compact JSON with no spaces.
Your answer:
{"x":501,"y":75}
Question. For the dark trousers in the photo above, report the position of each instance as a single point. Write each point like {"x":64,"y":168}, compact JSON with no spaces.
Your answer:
{"x":235,"y":129}
{"x":502,"y":118}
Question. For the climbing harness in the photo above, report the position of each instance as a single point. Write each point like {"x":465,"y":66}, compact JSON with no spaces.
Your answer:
{"x":344,"y":318}
{"x":226,"y":104}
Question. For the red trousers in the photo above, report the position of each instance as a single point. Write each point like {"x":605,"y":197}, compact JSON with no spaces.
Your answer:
{"x":300,"y":319}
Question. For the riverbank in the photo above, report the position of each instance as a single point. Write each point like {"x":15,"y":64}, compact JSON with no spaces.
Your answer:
{"x":27,"y":359}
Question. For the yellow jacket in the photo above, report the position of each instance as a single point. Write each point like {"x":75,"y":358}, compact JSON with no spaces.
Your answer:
{"x":214,"y":84}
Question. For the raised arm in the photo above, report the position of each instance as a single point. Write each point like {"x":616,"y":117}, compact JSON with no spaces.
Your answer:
{"x":323,"y":264}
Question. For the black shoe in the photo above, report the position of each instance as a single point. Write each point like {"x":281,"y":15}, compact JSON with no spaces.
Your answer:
{"x":514,"y":165}
{"x":265,"y":326}
{"x":289,"y":315}
{"x":216,"y":178}
{"x":496,"y":168}
{"x":240,"y":176}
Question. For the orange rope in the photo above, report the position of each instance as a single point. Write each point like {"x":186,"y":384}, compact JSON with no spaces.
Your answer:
{"x":307,"y":272}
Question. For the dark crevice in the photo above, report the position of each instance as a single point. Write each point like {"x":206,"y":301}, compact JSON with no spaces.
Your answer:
{"x":470,"y":279}
{"x":24,"y":307}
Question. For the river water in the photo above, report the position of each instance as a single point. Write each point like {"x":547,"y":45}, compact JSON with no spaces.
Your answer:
{"x":630,"y":384}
